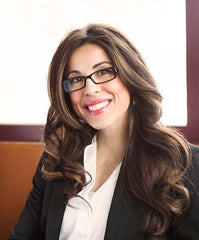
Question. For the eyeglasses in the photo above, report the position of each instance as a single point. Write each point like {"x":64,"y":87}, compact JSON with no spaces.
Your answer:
{"x":100,"y":76}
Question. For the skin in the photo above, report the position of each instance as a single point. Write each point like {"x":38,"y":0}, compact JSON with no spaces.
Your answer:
{"x":109,"y":119}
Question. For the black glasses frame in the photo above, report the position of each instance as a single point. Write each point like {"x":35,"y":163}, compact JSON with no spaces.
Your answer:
{"x":90,"y":77}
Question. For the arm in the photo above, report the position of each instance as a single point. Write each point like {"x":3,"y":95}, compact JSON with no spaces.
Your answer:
{"x":28,"y":225}
{"x":189,"y":223}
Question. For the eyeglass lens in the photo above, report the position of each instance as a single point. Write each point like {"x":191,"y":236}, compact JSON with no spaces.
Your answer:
{"x":100,"y":76}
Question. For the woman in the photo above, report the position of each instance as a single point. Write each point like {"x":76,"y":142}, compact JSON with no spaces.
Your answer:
{"x":110,"y":169}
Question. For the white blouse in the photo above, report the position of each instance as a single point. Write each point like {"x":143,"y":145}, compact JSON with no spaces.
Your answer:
{"x":87,"y":220}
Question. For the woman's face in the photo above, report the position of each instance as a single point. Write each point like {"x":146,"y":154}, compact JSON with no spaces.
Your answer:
{"x":101,"y":105}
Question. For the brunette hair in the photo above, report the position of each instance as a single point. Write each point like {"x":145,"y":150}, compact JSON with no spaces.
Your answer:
{"x":156,"y":157}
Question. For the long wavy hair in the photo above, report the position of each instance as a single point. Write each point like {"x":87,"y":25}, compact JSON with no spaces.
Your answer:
{"x":156,"y":157}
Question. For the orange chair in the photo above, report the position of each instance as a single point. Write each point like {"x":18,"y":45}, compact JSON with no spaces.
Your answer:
{"x":18,"y":162}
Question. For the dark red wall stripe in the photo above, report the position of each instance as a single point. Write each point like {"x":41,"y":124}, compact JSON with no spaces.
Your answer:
{"x":24,"y":133}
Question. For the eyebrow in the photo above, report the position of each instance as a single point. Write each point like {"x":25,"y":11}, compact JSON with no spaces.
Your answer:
{"x":100,"y":63}
{"x":94,"y":66}
{"x":73,"y":71}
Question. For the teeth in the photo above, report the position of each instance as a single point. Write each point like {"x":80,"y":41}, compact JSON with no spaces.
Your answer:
{"x":98,"y":106}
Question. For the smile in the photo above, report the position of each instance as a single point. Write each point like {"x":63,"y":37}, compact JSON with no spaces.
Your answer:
{"x":98,"y":106}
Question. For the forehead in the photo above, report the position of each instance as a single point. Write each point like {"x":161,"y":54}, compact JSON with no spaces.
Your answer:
{"x":87,"y":56}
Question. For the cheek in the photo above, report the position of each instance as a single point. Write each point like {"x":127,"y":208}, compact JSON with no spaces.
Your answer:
{"x":75,"y":98}
{"x":120,"y":89}
{"x":75,"y":101}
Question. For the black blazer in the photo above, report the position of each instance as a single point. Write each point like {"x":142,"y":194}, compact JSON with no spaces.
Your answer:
{"x":42,"y":216}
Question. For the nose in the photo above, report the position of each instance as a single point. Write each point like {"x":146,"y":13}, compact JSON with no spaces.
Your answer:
{"x":91,"y":88}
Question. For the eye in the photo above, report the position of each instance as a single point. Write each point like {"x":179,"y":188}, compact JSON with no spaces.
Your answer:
{"x":105,"y":71}
{"x":76,"y":80}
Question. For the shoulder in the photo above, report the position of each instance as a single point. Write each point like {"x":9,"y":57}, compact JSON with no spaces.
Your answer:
{"x":195,"y":154}
{"x":194,"y":157}
{"x":193,"y":170}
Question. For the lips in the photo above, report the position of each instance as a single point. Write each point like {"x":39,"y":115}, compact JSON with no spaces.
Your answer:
{"x":97,"y":106}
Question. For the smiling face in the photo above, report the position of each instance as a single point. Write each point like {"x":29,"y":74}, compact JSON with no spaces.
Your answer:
{"x":101,"y":105}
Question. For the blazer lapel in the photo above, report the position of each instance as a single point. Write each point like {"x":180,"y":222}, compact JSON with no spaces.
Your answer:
{"x":56,"y":211}
{"x":117,"y":216}
{"x":126,"y":217}
{"x":56,"y":208}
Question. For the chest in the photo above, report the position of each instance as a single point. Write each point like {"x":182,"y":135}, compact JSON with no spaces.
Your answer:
{"x":124,"y":220}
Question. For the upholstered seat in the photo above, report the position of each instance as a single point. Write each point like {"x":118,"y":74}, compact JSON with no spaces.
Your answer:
{"x":18,"y":161}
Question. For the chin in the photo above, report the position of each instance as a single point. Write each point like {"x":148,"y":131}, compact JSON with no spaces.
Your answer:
{"x":100,"y":126}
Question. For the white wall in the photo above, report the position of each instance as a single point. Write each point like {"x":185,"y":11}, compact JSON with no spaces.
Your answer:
{"x":32,"y":29}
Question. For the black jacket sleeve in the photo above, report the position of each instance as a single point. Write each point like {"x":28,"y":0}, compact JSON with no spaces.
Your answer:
{"x":28,"y":225}
{"x":188,"y":225}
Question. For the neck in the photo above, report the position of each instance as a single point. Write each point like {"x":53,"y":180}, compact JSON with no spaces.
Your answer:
{"x":112,"y":143}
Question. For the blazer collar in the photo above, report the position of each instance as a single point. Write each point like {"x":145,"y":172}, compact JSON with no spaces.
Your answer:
{"x":56,"y":208}
{"x":118,"y":215}
{"x":117,"y":218}
{"x":55,"y":211}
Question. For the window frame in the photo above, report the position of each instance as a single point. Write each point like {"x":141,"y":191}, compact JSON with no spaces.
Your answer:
{"x":33,"y":133}
{"x":191,"y":131}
